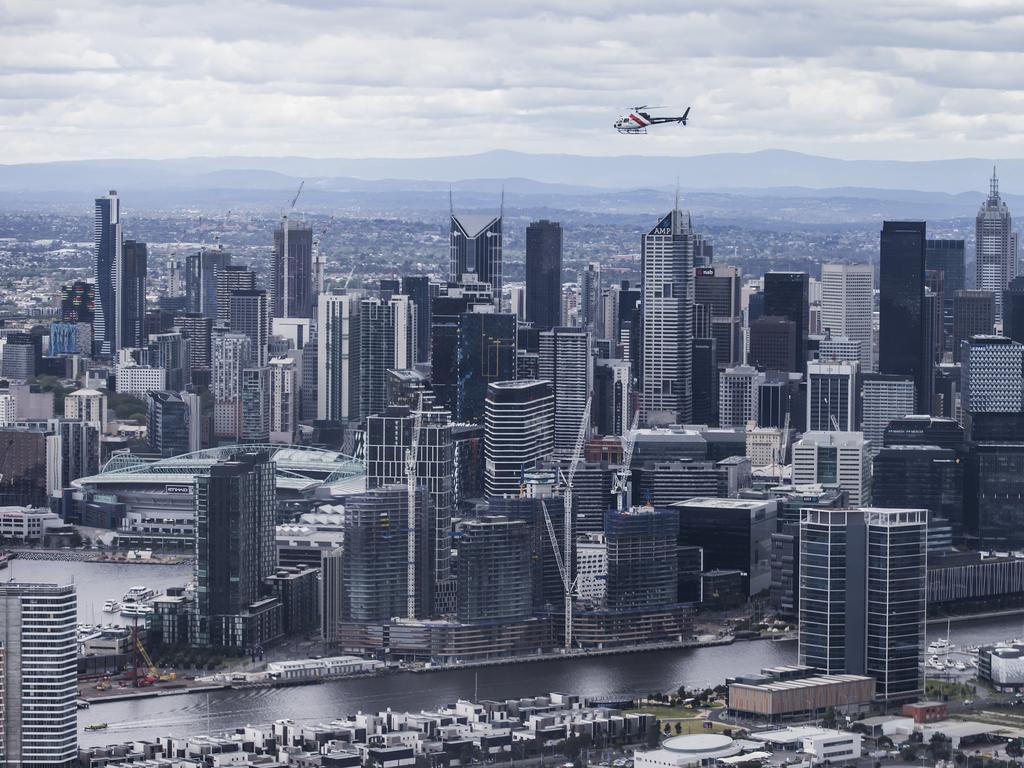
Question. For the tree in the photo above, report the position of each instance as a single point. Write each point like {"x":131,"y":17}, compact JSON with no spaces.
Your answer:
{"x":828,"y":720}
{"x":1013,"y":748}
{"x":908,"y":753}
{"x":939,"y":747}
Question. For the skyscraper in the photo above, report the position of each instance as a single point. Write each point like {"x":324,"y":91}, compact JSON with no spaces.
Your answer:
{"x":337,"y":357}
{"x":518,"y":432}
{"x":612,"y":406}
{"x":903,"y":322}
{"x":130,"y":295}
{"x":995,"y":245}
{"x":974,"y":314}
{"x":642,"y":557}
{"x":544,"y":274}
{"x":38,"y":675}
{"x":991,"y":375}
{"x":847,"y":306}
{"x":231,"y":353}
{"x":170,"y":351}
{"x":235,"y":525}
{"x":255,"y":405}
{"x":947,"y":257}
{"x":590,"y":297}
{"x":169,"y":423}
{"x":417,"y":288}
{"x":883,"y":399}
{"x":773,"y":344}
{"x":386,"y":341}
{"x":201,"y":280}
{"x":717,"y":300}
{"x":248,"y":315}
{"x":738,"y":395}
{"x":284,"y":399}
{"x":666,"y":359}
{"x":493,"y":570}
{"x":475,"y":247}
{"x":863,"y":590}
{"x":566,"y":361}
{"x":787,"y":294}
{"x":107,"y":238}
{"x":486,"y":353}
{"x":231,"y":278}
{"x":832,"y":396}
{"x":1013,"y":310}
{"x":293,"y":271}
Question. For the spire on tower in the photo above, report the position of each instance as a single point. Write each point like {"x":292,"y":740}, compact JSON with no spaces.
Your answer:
{"x":451,"y":203}
{"x":993,"y":189}
{"x":501,"y":207}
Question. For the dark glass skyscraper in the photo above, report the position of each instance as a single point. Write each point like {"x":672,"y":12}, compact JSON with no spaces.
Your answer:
{"x":417,"y":288}
{"x":235,"y":524}
{"x":107,"y":239}
{"x":1013,"y":310}
{"x":786,"y":294}
{"x":168,"y":424}
{"x":544,"y":274}
{"x":475,"y":247}
{"x":201,"y":280}
{"x":293,"y":274}
{"x":131,"y":295}
{"x":903,"y":324}
{"x":486,"y":353}
{"x":947,"y":256}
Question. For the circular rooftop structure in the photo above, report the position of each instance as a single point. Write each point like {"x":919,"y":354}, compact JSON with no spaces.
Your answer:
{"x":702,"y":746}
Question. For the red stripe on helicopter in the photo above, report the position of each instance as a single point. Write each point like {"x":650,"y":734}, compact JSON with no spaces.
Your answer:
{"x":637,"y":120}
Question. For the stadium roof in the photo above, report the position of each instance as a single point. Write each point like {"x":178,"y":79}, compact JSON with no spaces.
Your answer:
{"x":298,"y":467}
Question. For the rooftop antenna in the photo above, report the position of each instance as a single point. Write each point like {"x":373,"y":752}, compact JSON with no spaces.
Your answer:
{"x":501,"y":207}
{"x":451,"y":203}
{"x":993,"y":189}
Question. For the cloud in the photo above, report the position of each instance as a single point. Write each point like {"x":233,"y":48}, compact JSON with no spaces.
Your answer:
{"x":901,"y":79}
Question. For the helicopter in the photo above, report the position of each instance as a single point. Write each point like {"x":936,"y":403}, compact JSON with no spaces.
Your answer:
{"x":637,"y":121}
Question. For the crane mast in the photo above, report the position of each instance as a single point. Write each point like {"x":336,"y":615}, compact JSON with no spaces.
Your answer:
{"x":563,"y":559}
{"x":620,"y":483}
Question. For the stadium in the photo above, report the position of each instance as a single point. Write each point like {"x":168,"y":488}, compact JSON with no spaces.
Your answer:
{"x":150,"y":504}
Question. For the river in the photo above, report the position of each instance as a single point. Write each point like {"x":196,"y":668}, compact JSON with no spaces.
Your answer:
{"x":224,"y":710}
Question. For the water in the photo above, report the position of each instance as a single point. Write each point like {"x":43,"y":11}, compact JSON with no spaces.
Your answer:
{"x":224,"y":710}
{"x":98,"y":582}
{"x":629,"y":673}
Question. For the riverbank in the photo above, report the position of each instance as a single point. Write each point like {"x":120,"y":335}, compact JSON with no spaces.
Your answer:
{"x":1009,"y":612}
{"x":97,"y":556}
{"x":588,"y":653}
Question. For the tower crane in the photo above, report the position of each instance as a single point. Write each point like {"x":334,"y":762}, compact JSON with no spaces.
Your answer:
{"x":620,"y":483}
{"x":318,"y":262}
{"x":411,"y":454}
{"x":783,"y":445}
{"x":563,"y":559}
{"x":284,"y":254}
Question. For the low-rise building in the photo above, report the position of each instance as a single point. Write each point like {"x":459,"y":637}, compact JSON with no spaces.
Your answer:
{"x":27,"y":524}
{"x":797,"y":693}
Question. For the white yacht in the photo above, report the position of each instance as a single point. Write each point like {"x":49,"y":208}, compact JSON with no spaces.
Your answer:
{"x":139,"y":594}
{"x":111,"y":606}
{"x":942,"y":645}
{"x":131,"y":610}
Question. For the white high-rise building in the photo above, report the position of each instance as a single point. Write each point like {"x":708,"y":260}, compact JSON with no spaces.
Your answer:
{"x":519,"y":426}
{"x":566,"y":361}
{"x":838,"y":349}
{"x":230,"y":353}
{"x":87,"y":405}
{"x":831,"y":396}
{"x":737,"y":395}
{"x":666,"y":353}
{"x":9,"y":409}
{"x":992,"y":375}
{"x":38,"y":675}
{"x":835,"y":457}
{"x":592,"y":566}
{"x":337,"y":382}
{"x":284,"y":399}
{"x":847,"y":307}
{"x":995,"y":246}
{"x":883,"y":398}
{"x":764,"y":446}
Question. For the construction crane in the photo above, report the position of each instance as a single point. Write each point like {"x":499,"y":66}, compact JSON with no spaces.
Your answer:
{"x":318,"y":262}
{"x":284,"y":254}
{"x":783,"y":445}
{"x":349,"y":278}
{"x":620,"y":482}
{"x":563,"y":559}
{"x":411,"y":454}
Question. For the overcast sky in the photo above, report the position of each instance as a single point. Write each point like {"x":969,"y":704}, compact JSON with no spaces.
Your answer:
{"x":898,"y":79}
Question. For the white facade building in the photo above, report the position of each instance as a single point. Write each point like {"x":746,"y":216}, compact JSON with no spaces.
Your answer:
{"x":883,"y":400}
{"x":519,"y":420}
{"x":667,"y":304}
{"x":284,"y":399}
{"x":337,"y":356}
{"x":566,"y":361}
{"x":27,"y":523}
{"x":87,"y":405}
{"x":140,"y":380}
{"x":764,"y":446}
{"x":835,"y":457}
{"x":230,"y":353}
{"x":737,"y":395}
{"x":847,"y":307}
{"x":8,"y":409}
{"x":592,"y":566}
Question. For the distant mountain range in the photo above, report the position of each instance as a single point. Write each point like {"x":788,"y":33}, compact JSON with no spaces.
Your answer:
{"x":937,"y":187}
